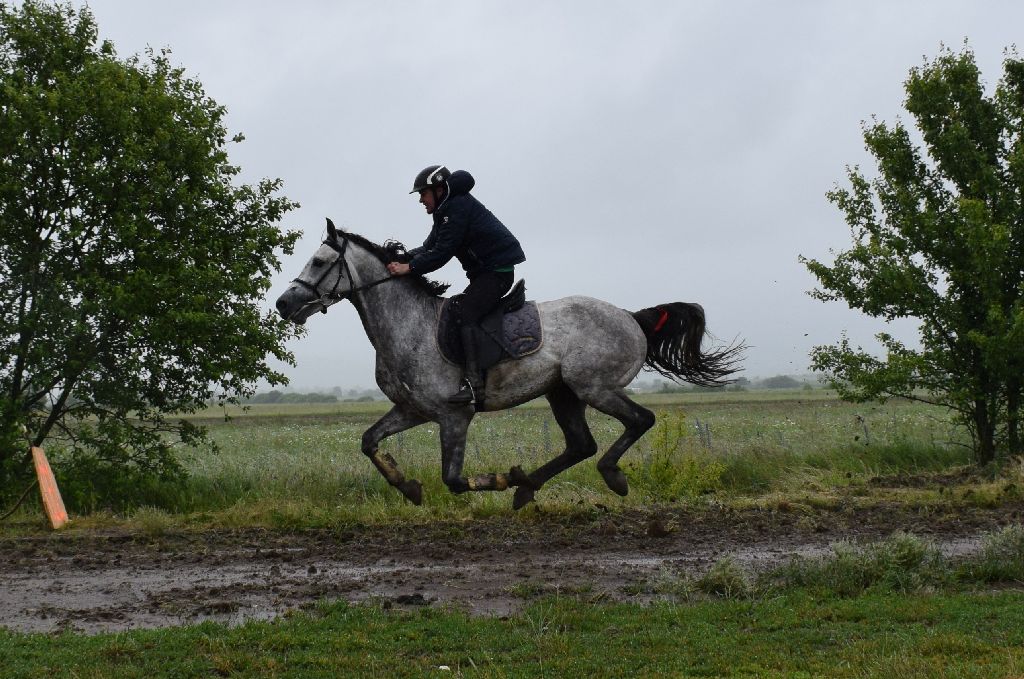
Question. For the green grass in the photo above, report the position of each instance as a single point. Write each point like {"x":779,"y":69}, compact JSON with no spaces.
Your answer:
{"x":900,"y":564}
{"x":301,"y":465}
{"x":793,"y":635}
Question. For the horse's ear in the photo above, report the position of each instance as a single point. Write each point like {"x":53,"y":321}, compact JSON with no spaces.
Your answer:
{"x":331,"y":231}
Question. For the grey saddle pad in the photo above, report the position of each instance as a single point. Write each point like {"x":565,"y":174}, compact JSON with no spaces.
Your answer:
{"x":511,"y":335}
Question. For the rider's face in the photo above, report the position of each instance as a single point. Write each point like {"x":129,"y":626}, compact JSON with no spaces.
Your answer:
{"x":428,"y":199}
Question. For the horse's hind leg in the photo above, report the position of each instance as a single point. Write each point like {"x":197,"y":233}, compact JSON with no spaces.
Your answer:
{"x":633,"y":416}
{"x":569,"y":412}
{"x":395,"y":420}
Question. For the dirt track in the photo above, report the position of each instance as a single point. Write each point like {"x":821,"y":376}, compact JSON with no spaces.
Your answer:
{"x":98,"y":582}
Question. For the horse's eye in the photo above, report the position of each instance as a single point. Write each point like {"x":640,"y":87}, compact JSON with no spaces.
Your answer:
{"x":317,"y":261}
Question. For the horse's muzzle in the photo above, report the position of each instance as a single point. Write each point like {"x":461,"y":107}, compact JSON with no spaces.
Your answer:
{"x":292,"y":306}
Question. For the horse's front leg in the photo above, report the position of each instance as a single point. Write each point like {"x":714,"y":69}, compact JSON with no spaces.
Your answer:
{"x":397,"y":419}
{"x":453,"y":450}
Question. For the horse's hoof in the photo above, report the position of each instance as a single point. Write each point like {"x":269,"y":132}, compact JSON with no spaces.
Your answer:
{"x":616,"y":480}
{"x":412,"y":490}
{"x":523,"y":497}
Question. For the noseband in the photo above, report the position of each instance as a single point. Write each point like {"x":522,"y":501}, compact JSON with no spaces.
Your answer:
{"x":327,"y":298}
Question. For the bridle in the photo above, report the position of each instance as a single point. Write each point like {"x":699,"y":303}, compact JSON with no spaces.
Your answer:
{"x":326,"y":299}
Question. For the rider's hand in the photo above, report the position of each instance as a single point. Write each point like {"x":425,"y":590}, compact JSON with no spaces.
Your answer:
{"x":398,"y":268}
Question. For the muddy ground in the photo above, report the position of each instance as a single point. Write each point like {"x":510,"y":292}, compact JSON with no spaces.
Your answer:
{"x":94,"y":582}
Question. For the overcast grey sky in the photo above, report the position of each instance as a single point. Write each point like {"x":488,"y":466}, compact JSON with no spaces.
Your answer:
{"x":642,"y":151}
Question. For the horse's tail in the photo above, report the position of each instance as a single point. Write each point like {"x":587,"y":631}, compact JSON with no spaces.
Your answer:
{"x":674,"y":334}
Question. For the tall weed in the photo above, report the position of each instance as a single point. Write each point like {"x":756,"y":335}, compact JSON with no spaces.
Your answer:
{"x":674,"y":469}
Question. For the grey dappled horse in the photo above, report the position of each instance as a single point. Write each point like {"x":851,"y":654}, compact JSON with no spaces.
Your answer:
{"x":591,"y":351}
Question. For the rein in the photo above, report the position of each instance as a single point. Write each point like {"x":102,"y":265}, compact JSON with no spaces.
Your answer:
{"x":335,"y":296}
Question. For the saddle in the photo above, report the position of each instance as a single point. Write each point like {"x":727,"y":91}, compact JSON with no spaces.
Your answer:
{"x":511,"y":330}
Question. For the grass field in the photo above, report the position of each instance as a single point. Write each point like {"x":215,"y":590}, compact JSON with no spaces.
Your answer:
{"x":795,"y":635}
{"x":895,"y":606}
{"x":301,"y":464}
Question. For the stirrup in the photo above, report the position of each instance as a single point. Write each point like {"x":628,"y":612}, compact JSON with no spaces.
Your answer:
{"x":464,"y":395}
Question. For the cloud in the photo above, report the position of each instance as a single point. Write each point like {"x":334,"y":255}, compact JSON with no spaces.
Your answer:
{"x":642,"y":152}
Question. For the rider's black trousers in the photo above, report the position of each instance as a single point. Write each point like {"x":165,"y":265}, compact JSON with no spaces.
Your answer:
{"x":483,"y":293}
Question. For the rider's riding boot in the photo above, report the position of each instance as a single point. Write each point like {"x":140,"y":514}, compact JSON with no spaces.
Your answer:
{"x":472,"y":386}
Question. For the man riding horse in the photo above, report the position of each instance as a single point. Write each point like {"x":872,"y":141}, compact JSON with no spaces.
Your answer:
{"x":463,"y":228}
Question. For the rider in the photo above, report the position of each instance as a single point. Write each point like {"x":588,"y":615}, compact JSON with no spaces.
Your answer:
{"x":465,"y":229}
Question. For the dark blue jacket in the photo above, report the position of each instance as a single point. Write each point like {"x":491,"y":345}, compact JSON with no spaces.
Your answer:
{"x":465,"y":229}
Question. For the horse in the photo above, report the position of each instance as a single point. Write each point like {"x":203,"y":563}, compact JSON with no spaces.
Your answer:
{"x":591,"y":351}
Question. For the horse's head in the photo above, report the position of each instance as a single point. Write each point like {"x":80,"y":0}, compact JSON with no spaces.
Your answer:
{"x":322,"y":282}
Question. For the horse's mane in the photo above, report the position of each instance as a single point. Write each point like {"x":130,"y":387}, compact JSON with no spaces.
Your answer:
{"x":394,"y":251}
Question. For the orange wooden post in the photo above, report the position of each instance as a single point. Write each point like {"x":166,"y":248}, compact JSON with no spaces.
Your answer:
{"x":52,"y":502}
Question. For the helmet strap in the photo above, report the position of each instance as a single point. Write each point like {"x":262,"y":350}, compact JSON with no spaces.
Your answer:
{"x":440,"y":192}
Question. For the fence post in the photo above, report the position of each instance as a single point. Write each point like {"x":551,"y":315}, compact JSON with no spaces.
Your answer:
{"x":52,"y":502}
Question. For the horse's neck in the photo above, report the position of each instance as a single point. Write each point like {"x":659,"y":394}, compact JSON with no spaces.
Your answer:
{"x":396,"y":314}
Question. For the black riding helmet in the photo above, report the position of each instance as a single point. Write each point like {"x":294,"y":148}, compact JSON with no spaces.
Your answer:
{"x":434,"y":175}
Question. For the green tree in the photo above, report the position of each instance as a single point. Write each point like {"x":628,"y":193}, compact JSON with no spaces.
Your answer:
{"x":938,"y":236}
{"x":780,"y":382}
{"x":132,"y":263}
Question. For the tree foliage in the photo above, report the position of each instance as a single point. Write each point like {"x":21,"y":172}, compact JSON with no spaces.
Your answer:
{"x":132,"y":263}
{"x":938,"y":236}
